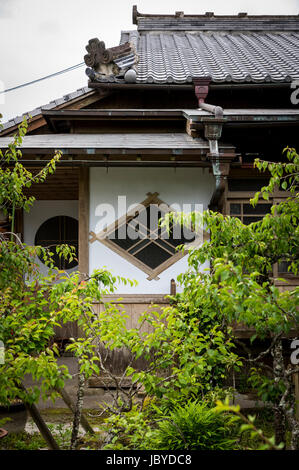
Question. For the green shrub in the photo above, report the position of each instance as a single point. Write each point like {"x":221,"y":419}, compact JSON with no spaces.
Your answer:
{"x":194,"y":426}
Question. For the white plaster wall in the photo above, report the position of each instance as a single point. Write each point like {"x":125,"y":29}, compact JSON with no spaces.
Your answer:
{"x":39,"y":213}
{"x":184,"y":185}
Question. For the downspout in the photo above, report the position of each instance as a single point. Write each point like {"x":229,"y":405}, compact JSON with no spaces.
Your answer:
{"x":216,"y":110}
{"x":220,"y":162}
{"x":213,"y":129}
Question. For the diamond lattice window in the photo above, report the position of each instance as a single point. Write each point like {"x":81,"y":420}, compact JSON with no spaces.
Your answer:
{"x":139,"y":238}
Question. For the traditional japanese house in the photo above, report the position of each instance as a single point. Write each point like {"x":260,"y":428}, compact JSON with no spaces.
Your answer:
{"x":175,"y":115}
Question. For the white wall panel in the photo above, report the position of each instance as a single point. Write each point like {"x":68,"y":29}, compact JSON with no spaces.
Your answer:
{"x":42,"y":211}
{"x":184,"y":185}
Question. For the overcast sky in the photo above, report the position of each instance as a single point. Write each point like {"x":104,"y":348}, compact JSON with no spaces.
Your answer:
{"x":39,"y":37}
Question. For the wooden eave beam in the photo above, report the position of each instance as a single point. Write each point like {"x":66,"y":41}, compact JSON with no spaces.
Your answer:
{"x":112,"y":114}
{"x":101,"y":152}
{"x":124,"y":163}
{"x":184,"y":86}
{"x":68,"y":116}
{"x":176,"y":163}
{"x":234,"y":121}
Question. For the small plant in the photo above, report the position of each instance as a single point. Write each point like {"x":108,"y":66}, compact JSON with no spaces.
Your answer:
{"x":195,"y":426}
{"x":266,"y":443}
{"x":22,"y":441}
{"x":130,"y":430}
{"x":62,"y":434}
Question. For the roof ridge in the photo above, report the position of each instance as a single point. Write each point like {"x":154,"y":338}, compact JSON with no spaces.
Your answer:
{"x":136,"y":15}
{"x":202,"y":22}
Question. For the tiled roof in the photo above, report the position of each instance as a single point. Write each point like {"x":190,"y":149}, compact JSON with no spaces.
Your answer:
{"x":176,"y":49}
{"x":240,"y":57}
{"x":53,"y":104}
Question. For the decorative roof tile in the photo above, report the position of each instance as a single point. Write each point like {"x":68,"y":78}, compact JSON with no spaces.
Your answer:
{"x":112,"y":62}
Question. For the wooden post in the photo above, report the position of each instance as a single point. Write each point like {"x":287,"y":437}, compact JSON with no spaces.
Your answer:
{"x":43,"y":428}
{"x":40,"y":423}
{"x":84,"y":220}
{"x":172,"y":287}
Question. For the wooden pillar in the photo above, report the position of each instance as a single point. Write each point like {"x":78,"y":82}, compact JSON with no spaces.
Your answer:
{"x":84,"y":220}
{"x":172,"y":287}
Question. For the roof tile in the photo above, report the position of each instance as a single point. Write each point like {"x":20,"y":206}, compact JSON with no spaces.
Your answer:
{"x":52,"y":104}
{"x":226,"y":57}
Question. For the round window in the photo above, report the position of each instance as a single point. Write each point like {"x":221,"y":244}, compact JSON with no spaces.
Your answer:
{"x":56,"y":231}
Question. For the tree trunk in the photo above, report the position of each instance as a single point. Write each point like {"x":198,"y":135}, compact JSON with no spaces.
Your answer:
{"x":278,"y":372}
{"x":78,"y":411}
{"x":287,"y":402}
{"x":279,"y":424}
{"x":294,"y":433}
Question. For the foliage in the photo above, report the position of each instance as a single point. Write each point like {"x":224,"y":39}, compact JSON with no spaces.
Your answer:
{"x":240,"y":288}
{"x":34,"y":441}
{"x":22,"y":441}
{"x":190,"y":426}
{"x":15,"y":178}
{"x":62,"y":434}
{"x":31,"y":304}
{"x":194,"y":426}
{"x":183,"y":359}
{"x":186,"y":357}
{"x":26,"y":322}
{"x":188,"y":346}
{"x":267,"y":389}
{"x":284,"y":175}
{"x":268,"y":443}
{"x":128,"y":430}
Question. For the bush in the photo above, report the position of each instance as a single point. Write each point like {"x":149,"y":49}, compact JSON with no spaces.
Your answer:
{"x":192,"y":426}
{"x":195,"y":426}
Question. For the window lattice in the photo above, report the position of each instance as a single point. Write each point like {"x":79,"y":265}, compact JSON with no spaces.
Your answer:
{"x":140,"y":239}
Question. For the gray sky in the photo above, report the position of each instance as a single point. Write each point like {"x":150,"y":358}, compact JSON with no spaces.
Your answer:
{"x":39,"y":37}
